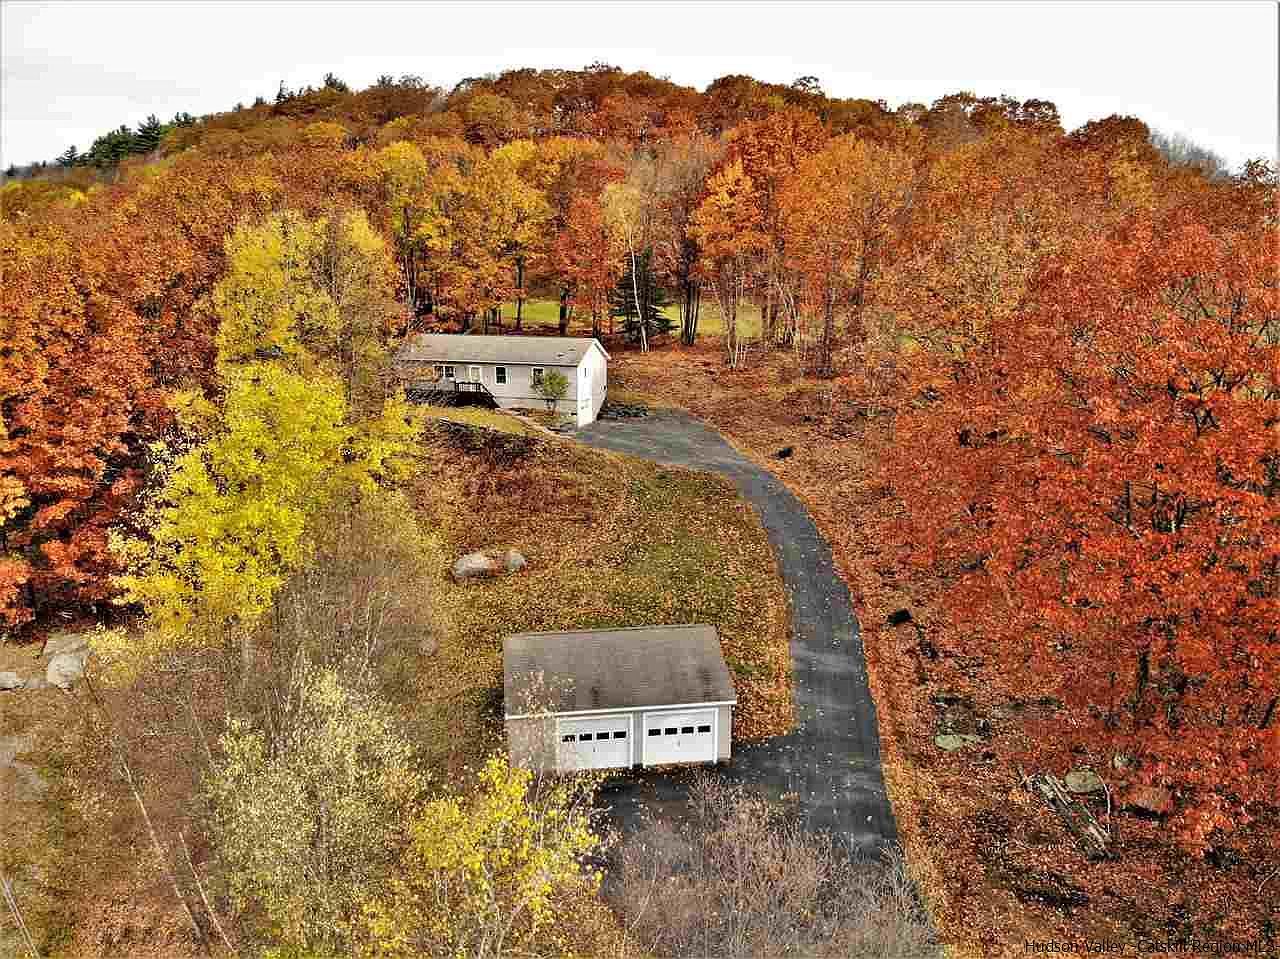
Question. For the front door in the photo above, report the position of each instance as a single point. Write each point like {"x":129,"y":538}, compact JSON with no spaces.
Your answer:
{"x":473,"y":374}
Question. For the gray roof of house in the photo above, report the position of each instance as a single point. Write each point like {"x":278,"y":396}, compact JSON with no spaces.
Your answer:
{"x":465,"y":348}
{"x":614,"y":669}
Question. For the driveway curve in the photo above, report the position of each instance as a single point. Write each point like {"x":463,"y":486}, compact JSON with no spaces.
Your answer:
{"x":830,"y":763}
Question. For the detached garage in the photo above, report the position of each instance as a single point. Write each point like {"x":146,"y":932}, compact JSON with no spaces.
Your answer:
{"x":616,"y":698}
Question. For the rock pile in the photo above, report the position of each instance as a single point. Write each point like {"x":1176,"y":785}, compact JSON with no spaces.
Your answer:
{"x":66,"y":655}
{"x":483,"y":566}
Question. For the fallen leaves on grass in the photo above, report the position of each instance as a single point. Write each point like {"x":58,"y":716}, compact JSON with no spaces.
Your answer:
{"x":611,"y":541}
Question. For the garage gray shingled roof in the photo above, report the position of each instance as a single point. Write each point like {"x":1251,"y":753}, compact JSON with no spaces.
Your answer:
{"x":460,"y":348}
{"x":614,"y":669}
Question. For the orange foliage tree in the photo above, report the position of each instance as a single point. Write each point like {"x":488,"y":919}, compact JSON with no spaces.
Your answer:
{"x":727,"y":228}
{"x":770,"y":150}
{"x":1102,"y":493}
{"x":839,"y":210}
{"x":587,"y":260}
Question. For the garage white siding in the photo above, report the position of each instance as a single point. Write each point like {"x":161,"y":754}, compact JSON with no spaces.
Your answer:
{"x":617,"y":698}
{"x":593,"y":381}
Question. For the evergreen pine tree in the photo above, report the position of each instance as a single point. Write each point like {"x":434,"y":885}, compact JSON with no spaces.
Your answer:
{"x":70,"y":158}
{"x":653,"y":299}
{"x":150,"y":133}
{"x":333,"y":82}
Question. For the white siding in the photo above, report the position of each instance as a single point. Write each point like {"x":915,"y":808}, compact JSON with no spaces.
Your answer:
{"x":587,"y":383}
{"x":596,"y":381}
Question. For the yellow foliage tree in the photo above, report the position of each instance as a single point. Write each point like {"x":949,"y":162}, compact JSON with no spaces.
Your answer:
{"x":324,"y":134}
{"x":268,"y":304}
{"x":308,"y":815}
{"x":229,"y":523}
{"x":498,"y":872}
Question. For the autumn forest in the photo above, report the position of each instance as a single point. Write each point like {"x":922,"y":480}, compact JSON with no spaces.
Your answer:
{"x":1032,"y":376}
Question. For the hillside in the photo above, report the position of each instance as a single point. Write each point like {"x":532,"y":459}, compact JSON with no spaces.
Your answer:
{"x":1027,"y":381}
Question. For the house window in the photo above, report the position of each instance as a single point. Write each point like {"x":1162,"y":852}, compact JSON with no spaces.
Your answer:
{"x":537,"y":375}
{"x":444,"y":372}
{"x":500,"y":375}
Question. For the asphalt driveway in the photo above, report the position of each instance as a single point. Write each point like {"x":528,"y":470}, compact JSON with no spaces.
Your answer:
{"x":831,"y":761}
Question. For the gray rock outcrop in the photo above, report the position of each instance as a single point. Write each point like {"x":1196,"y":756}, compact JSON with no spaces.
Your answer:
{"x":1083,"y":781}
{"x":59,"y":643}
{"x":474,"y":566}
{"x":65,"y":668}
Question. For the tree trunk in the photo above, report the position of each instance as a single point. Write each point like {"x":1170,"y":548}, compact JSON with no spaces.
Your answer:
{"x":825,"y":368}
{"x":410,"y":266}
{"x":563,"y":324}
{"x":635,"y":291}
{"x":768,"y":320}
{"x":689,"y":318}
{"x":519,"y":294}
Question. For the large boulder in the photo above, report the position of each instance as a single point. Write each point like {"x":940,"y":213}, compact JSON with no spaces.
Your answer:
{"x":1083,"y":781}
{"x":474,"y":566}
{"x":10,"y":680}
{"x":514,"y":560}
{"x":61,"y":642}
{"x":64,"y":669}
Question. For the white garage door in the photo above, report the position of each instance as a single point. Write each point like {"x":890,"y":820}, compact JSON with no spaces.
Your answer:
{"x":595,"y":742}
{"x":683,"y":737}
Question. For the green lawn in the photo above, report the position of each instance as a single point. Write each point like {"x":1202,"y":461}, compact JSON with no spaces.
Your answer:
{"x":478,"y":416}
{"x":545,"y":315}
{"x":610,"y":541}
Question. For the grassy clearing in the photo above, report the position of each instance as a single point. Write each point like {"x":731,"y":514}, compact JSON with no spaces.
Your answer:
{"x":478,"y":416}
{"x":610,"y":541}
{"x":544,"y":316}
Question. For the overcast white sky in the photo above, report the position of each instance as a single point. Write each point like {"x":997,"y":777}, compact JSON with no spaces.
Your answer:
{"x":73,"y":70}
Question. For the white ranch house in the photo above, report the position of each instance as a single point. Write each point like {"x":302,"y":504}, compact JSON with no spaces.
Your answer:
{"x":509,"y":367}
{"x":617,"y":698}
